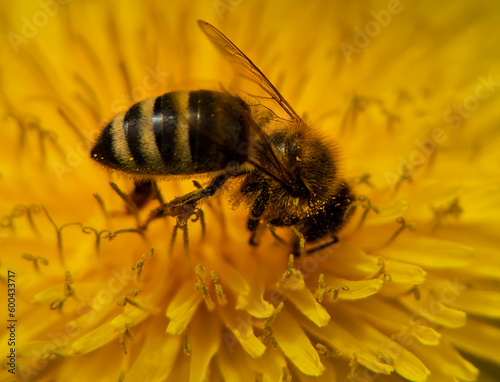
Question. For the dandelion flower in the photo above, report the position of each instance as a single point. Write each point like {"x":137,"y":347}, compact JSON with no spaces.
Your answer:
{"x":408,"y":91}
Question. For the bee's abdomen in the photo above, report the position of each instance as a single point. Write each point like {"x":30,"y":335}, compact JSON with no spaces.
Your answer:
{"x":178,"y":133}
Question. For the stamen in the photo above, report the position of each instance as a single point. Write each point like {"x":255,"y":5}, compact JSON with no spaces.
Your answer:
{"x":113,"y":235}
{"x":218,"y":289}
{"x":99,"y":199}
{"x":90,"y":101}
{"x":291,"y":271}
{"x":364,"y":179}
{"x":68,"y":292}
{"x":202,"y":287}
{"x":416,"y":292}
{"x":268,"y":326}
{"x":59,"y":234}
{"x":403,"y":226}
{"x":137,"y":266}
{"x":127,"y":299}
{"x":187,"y":344}
{"x":322,"y":290}
{"x":74,"y":127}
{"x":364,"y":202}
{"x":18,"y":211}
{"x":302,"y":241}
{"x":440,"y":213}
{"x":130,"y":205}
{"x":287,"y":375}
{"x":52,"y":353}
{"x":272,"y":229}
{"x":385,"y":276}
{"x":125,"y":333}
{"x":36,"y":260}
{"x":99,"y":236}
{"x":405,"y":176}
{"x":323,"y":350}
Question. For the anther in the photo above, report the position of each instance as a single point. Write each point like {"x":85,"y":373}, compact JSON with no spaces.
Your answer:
{"x":36,"y":260}
{"x":202,"y":287}
{"x":68,"y":291}
{"x":128,"y":202}
{"x":137,"y":266}
{"x":440,"y":213}
{"x":187,"y":345}
{"x":403,"y":226}
{"x":218,"y":288}
{"x":99,"y":199}
{"x":128,"y":299}
{"x":123,"y":334}
{"x":268,"y":326}
{"x":365,"y":203}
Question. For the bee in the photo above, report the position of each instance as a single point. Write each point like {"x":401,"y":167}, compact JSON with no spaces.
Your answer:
{"x":289,"y":173}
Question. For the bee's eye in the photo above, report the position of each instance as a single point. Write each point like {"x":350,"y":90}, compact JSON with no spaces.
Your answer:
{"x":299,"y":190}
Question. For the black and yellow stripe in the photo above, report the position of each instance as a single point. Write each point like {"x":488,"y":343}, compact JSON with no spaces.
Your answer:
{"x":178,"y":133}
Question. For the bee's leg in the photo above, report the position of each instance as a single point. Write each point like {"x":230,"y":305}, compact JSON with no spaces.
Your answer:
{"x":214,"y":185}
{"x":200,"y":215}
{"x":157,"y":192}
{"x":334,"y":240}
{"x":172,"y":240}
{"x":181,"y":224}
{"x":142,"y":193}
{"x":258,"y":208}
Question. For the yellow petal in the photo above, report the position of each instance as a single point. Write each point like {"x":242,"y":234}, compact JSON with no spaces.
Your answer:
{"x":182,"y":308}
{"x":478,"y":338}
{"x":353,"y":290}
{"x":308,"y":306}
{"x":445,"y":361}
{"x":295,"y":344}
{"x":204,"y":334}
{"x":270,"y":365}
{"x":428,"y":252}
{"x":233,"y":364}
{"x":404,"y":273}
{"x":95,"y":339}
{"x":346,"y":342}
{"x":48,"y":296}
{"x":351,"y":262}
{"x":241,"y":326}
{"x":254,"y":302}
{"x":433,"y":310}
{"x":479,"y":302}
{"x":388,"y":212}
{"x":155,"y":365}
{"x":426,"y":335}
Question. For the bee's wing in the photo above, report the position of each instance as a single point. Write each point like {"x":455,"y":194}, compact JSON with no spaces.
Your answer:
{"x":250,"y":71}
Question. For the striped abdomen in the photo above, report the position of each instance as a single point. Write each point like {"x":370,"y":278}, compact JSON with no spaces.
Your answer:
{"x":178,"y":133}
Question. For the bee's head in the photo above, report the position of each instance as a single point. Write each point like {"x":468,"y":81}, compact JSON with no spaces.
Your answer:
{"x":309,"y":161}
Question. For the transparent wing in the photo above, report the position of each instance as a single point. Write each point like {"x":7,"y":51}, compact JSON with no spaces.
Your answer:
{"x":250,"y":71}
